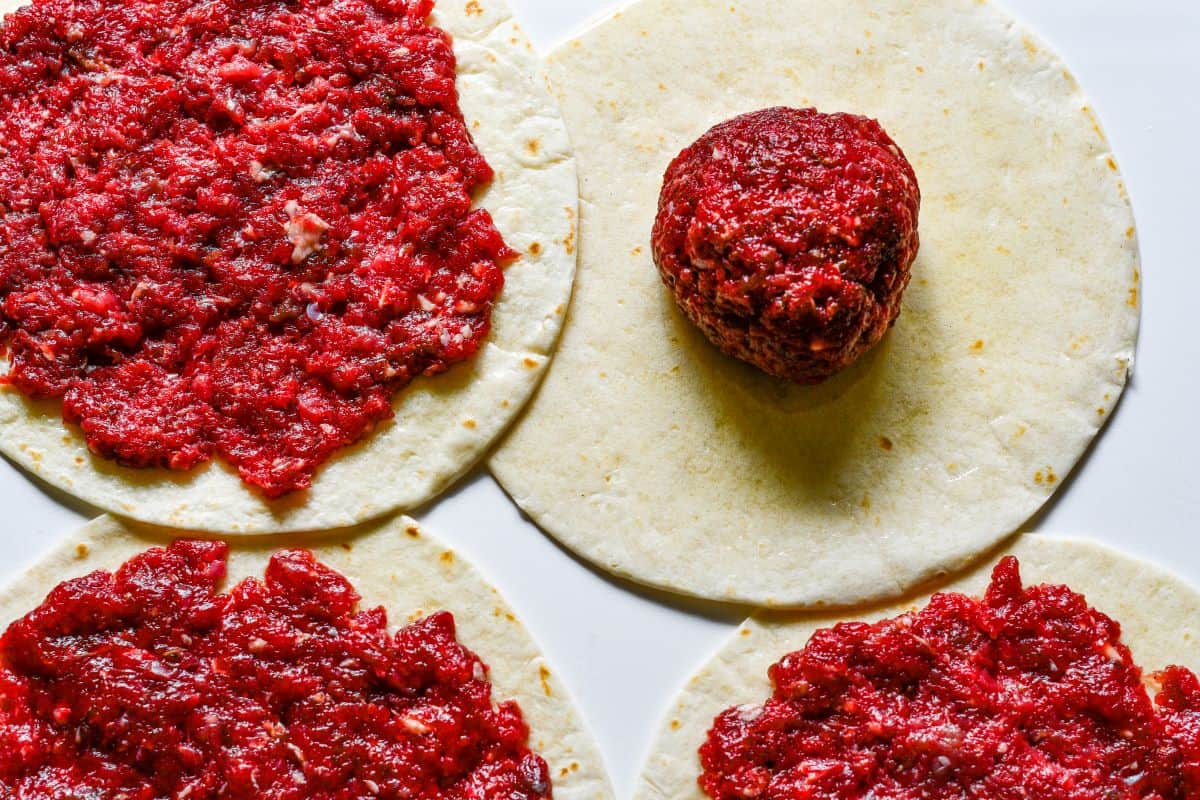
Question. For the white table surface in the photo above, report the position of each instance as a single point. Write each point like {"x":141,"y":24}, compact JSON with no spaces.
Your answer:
{"x":624,"y":651}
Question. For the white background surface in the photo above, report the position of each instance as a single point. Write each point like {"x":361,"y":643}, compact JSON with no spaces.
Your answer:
{"x":623,"y":651}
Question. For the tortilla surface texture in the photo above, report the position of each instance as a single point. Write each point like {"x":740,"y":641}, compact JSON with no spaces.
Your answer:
{"x":442,"y":425}
{"x":396,"y":565}
{"x":1159,"y":615}
{"x":656,"y":457}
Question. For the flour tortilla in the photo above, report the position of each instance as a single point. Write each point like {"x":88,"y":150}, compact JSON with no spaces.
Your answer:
{"x":1159,"y":615}
{"x":651,"y":454}
{"x":398,"y":566}
{"x":443,"y":425}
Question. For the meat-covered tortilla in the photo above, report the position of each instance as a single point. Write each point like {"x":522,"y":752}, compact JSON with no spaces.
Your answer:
{"x":1156,"y":612}
{"x":394,"y":565}
{"x":440,"y":425}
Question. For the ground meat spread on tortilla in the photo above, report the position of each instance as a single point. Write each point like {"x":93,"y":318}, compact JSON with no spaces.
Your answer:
{"x":148,"y":684}
{"x":787,"y":237}
{"x":236,"y":226}
{"x":1027,"y":693}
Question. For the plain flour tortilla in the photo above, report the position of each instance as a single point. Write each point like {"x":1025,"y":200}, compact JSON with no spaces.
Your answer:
{"x":1158,"y":612}
{"x":657,"y":458}
{"x":443,"y":425}
{"x":391,"y":564}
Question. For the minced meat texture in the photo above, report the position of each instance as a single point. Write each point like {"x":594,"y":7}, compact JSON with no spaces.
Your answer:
{"x":236,"y":227}
{"x":787,"y":236}
{"x":1025,"y":694}
{"x":148,"y":684}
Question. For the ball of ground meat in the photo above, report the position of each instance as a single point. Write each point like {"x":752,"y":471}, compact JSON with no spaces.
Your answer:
{"x":787,"y":236}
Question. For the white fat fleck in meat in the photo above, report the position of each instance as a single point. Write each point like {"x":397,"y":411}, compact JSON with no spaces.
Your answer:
{"x":426,"y":303}
{"x":414,"y":725}
{"x":304,"y":231}
{"x":749,"y":712}
{"x":297,"y":752}
{"x":260,"y":173}
{"x":338,"y":133}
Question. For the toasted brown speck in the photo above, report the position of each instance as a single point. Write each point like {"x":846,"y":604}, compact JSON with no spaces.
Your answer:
{"x":346,"y":546}
{"x":544,"y":674}
{"x":886,"y":443}
{"x":676,"y":724}
{"x":977,"y":346}
{"x":535,"y":249}
{"x":413,"y":531}
{"x":82,"y":550}
{"x":470,"y":423}
{"x":447,"y":557}
{"x":473,"y":8}
{"x":530,"y":363}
